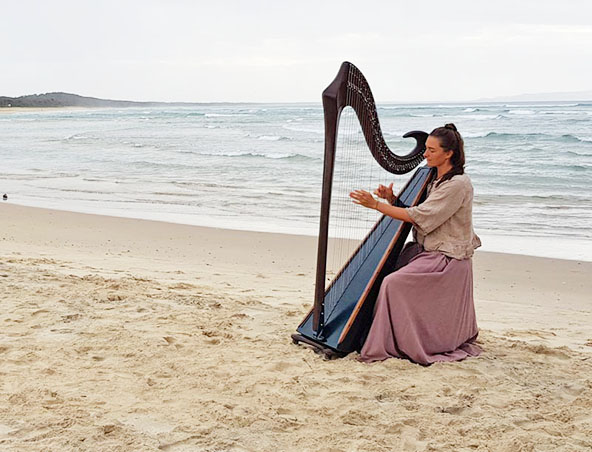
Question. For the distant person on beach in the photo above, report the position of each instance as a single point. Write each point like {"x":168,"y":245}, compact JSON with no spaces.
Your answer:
{"x":425,"y":310}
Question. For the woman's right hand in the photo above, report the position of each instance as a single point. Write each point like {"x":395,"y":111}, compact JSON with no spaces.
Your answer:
{"x":385,"y":192}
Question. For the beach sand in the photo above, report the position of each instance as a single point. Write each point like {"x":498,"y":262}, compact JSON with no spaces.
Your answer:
{"x":121,"y":335}
{"x":12,"y":110}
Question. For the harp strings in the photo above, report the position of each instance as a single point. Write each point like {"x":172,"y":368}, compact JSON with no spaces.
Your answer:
{"x":349,"y":223}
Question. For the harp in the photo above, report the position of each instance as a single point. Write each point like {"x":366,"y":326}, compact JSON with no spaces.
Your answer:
{"x":342,"y":312}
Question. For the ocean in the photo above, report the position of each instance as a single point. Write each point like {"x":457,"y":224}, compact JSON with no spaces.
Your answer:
{"x":259,"y":166}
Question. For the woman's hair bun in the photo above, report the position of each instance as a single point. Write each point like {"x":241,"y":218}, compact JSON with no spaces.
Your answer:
{"x":450,"y":126}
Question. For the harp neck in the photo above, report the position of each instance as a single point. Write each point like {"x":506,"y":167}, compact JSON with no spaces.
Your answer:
{"x":350,"y":88}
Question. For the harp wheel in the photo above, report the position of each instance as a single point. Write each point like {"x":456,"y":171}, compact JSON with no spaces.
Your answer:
{"x":328,"y":353}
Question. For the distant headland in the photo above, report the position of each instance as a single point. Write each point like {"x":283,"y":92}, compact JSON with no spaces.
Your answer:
{"x":59,"y":99}
{"x":53,"y":100}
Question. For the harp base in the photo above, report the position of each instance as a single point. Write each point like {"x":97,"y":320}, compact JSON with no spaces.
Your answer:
{"x":320,"y":349}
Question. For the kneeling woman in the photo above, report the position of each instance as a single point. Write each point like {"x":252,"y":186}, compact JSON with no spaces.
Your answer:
{"x":425,"y":310}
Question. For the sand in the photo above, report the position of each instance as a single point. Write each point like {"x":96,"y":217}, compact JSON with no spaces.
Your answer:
{"x":132,"y":335}
{"x":12,"y":110}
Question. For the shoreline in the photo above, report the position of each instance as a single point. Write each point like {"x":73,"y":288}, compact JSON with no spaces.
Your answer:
{"x":562,"y":248}
{"x":10,"y":110}
{"x":124,"y":334}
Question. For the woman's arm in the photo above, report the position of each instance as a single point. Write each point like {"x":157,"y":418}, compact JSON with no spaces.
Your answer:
{"x":363,"y":198}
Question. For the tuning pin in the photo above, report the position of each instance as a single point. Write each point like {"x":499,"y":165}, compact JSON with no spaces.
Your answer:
{"x":5,"y":197}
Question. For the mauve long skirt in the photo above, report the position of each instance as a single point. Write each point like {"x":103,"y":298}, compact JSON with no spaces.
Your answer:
{"x":425,"y":312}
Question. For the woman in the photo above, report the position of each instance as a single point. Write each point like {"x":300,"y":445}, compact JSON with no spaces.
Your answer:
{"x":425,"y":309}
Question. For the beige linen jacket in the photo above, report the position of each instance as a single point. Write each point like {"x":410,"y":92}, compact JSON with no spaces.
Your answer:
{"x":444,"y":221}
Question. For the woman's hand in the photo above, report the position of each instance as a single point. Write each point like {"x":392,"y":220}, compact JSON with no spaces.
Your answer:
{"x":385,"y":192}
{"x":364,"y":198}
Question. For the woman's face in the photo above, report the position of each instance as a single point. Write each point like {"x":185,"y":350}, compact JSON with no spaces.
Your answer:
{"x":434,"y":154}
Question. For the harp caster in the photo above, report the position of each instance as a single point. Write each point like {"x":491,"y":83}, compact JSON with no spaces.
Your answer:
{"x":319,"y":349}
{"x":330,"y":355}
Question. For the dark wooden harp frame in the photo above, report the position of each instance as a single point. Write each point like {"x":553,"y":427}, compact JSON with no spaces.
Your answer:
{"x":350,"y":88}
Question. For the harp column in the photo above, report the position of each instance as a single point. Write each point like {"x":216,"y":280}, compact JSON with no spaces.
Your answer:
{"x":332,"y":114}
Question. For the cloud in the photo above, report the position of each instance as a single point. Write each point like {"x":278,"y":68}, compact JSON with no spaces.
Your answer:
{"x":231,"y":50}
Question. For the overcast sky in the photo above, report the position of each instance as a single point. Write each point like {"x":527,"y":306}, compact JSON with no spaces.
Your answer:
{"x":262,"y":51}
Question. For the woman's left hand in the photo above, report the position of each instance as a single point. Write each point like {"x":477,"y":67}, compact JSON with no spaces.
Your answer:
{"x":364,"y":198}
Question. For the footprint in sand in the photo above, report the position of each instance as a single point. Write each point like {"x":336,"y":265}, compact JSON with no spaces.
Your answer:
{"x":281,"y":366}
{"x":170,"y":340}
{"x":109,"y":428}
{"x":557,"y":352}
{"x":356,"y":417}
{"x":182,"y":286}
{"x":530,"y":333}
{"x":453,"y":409}
{"x":40,"y":311}
{"x":70,"y":317}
